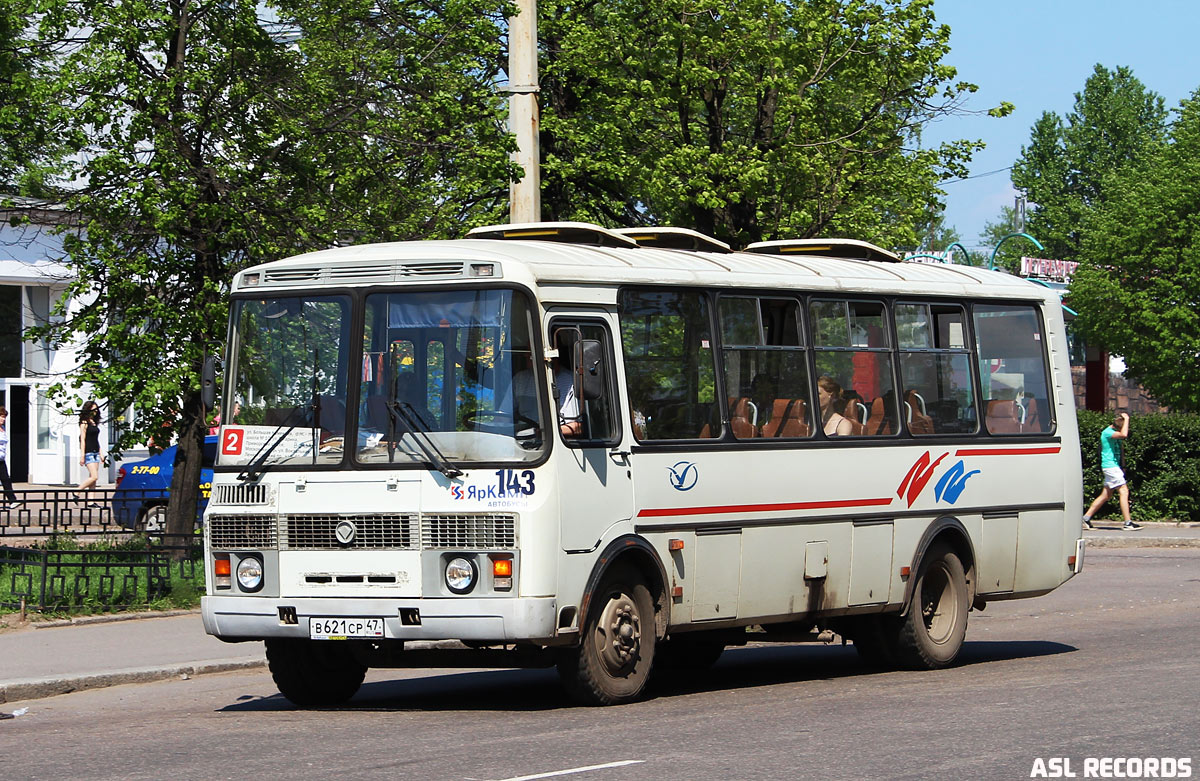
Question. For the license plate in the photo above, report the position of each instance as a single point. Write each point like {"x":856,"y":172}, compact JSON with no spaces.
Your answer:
{"x":344,"y":628}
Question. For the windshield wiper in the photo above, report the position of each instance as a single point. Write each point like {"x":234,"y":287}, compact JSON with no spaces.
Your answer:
{"x":411,"y":421}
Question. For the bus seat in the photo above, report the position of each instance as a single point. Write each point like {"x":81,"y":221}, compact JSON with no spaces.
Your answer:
{"x":918,"y":421}
{"x":1033,"y":419}
{"x":377,"y":414}
{"x":878,"y":423}
{"x":743,"y":418}
{"x":1003,"y":417}
{"x":858,"y":426}
{"x":856,"y":411}
{"x":333,"y":414}
{"x":789,"y":418}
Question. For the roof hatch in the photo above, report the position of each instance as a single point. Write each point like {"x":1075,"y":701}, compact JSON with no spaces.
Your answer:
{"x":674,"y":238}
{"x":828,"y":248}
{"x":566,"y":232}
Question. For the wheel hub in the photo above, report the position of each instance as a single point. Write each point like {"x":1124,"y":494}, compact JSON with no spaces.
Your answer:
{"x":621,"y":628}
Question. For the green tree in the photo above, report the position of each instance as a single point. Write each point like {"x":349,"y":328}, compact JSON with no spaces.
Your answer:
{"x":747,"y":120}
{"x":25,"y":125}
{"x":1137,"y":289}
{"x":207,"y":137}
{"x":1064,"y":168}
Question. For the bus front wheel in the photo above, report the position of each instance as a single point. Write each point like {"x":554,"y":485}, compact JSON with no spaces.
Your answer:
{"x":314,"y":673}
{"x":612,"y":662}
{"x":931,"y":634}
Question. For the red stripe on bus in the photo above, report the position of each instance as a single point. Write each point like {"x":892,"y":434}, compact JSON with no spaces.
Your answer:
{"x":1018,"y":451}
{"x":763,"y":508}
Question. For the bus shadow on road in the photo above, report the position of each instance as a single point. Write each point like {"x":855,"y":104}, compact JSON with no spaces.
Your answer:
{"x":540,"y":690}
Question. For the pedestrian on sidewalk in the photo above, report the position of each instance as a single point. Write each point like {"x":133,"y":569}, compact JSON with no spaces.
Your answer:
{"x":9,"y":495}
{"x":89,"y":446}
{"x":1112,"y":455}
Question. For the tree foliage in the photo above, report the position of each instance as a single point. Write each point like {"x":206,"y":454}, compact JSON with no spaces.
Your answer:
{"x":747,"y":120}
{"x":210,"y":134}
{"x":24,"y":125}
{"x":1063,"y":170}
{"x":1138,"y":289}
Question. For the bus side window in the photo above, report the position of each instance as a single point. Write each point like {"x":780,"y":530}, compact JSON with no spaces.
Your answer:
{"x":765,"y":366}
{"x":935,"y":367}
{"x":669,"y":365}
{"x":1013,"y":369}
{"x":851,"y":349}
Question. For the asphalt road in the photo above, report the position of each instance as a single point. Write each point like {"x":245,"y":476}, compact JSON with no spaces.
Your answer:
{"x":1103,"y":668}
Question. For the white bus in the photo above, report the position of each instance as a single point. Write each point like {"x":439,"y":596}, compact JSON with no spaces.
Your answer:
{"x":613,"y":451}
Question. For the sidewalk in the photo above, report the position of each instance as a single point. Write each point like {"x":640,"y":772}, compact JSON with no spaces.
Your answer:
{"x":64,"y":656}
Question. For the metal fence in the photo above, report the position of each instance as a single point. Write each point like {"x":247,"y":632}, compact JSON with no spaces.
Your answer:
{"x":67,"y":551}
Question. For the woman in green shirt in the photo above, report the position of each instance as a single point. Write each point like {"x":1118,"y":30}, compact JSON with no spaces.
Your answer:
{"x":1112,"y":440}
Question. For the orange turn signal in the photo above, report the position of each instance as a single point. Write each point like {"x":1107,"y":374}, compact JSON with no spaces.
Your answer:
{"x":502,"y":568}
{"x":221,"y":567}
{"x":905,"y":572}
{"x":675,"y":544}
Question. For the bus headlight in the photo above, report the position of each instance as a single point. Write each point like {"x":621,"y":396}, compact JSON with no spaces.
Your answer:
{"x":460,"y":575}
{"x":250,"y":573}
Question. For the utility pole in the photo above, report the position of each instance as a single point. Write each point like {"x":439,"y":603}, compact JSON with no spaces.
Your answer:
{"x":525,"y":199}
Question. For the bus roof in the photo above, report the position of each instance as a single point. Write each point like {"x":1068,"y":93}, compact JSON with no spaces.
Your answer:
{"x":608,"y":258}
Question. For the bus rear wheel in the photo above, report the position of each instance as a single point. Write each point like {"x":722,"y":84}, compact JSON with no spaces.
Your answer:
{"x":931,"y":634}
{"x":314,"y":673}
{"x":612,"y":662}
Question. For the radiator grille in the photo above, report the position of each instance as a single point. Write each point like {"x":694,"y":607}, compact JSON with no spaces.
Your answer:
{"x":318,"y":532}
{"x":468,"y":530}
{"x":241,"y":532}
{"x":241,"y":494}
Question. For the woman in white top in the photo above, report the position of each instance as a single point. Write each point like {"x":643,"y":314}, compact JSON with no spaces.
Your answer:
{"x":9,"y":494}
{"x":833,"y":423}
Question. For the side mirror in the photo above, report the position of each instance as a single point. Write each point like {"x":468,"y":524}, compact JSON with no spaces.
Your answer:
{"x":208,"y":383}
{"x":589,"y":368}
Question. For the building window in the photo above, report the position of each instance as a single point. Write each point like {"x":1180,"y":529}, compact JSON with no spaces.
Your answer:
{"x":12,"y":336}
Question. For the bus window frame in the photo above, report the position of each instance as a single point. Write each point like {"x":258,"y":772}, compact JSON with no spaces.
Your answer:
{"x":556,"y":322}
{"x":1048,"y":379}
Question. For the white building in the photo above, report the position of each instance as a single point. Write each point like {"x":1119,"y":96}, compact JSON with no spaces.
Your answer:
{"x":43,"y":439}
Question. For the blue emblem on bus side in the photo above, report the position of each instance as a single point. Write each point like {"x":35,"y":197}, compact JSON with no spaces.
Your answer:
{"x":683,"y":476}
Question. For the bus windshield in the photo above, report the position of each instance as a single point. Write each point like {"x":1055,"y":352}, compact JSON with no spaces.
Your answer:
{"x":290,"y":366}
{"x":444,"y":378}
{"x":449,"y":372}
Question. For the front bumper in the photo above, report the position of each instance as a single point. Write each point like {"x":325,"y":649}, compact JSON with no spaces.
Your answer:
{"x":512,"y":620}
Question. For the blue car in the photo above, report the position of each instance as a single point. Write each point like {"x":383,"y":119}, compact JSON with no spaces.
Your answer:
{"x":139,"y":500}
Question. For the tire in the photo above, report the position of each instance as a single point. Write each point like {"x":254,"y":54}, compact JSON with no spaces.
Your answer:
{"x":931,"y":634}
{"x":154,"y":523}
{"x":612,"y":662}
{"x":314,"y":673}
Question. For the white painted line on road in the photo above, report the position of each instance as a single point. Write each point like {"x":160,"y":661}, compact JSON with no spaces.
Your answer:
{"x":587,"y":769}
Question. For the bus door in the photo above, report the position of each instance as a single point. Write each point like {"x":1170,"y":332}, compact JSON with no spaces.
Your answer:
{"x":594,"y":487}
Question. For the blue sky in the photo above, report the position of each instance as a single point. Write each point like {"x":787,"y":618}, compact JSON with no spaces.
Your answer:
{"x":1037,"y":54}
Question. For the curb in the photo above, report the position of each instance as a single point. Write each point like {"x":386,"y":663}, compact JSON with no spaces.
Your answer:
{"x":38,"y":688}
{"x":1131,"y":540}
{"x":107,"y":618}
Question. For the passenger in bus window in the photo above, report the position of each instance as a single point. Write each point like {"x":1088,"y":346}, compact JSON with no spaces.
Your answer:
{"x":563,"y":388}
{"x":829,"y":394}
